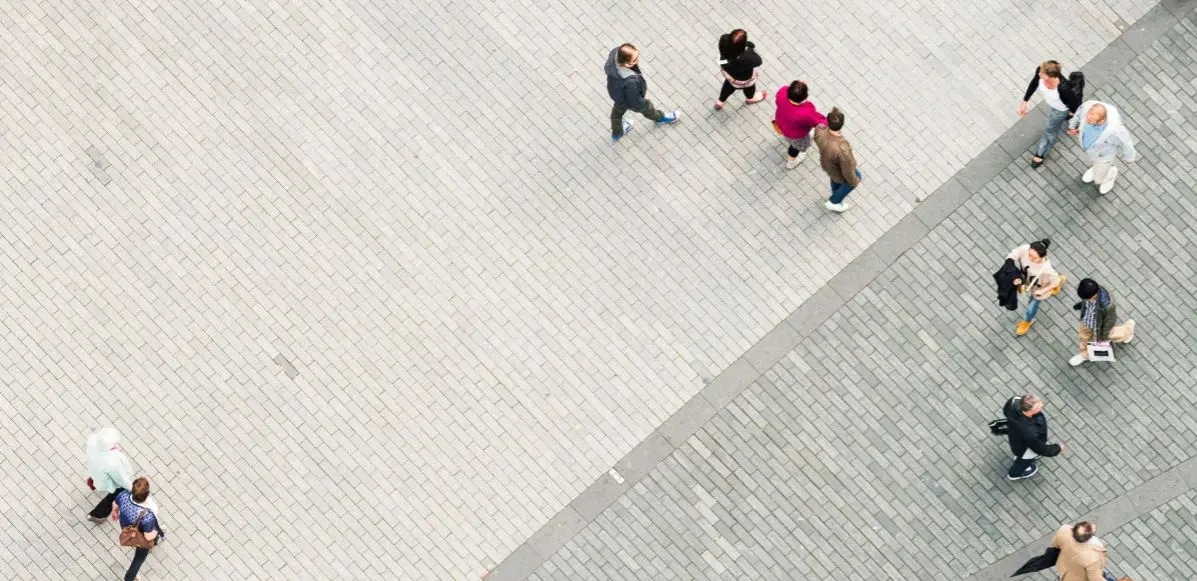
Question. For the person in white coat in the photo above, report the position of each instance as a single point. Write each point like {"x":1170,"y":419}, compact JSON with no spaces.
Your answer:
{"x":1104,"y":139}
{"x":109,"y":468}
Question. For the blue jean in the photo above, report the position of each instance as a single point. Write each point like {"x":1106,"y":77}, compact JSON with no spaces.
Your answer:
{"x":1057,"y":121}
{"x":841,"y":191}
{"x":1032,"y":309}
{"x":1108,"y":576}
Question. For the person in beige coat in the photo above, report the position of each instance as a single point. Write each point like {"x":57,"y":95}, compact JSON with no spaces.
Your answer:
{"x":1082,"y":554}
{"x":1039,"y":279}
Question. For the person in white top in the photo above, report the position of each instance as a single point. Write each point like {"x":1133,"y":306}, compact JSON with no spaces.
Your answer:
{"x":1039,"y":279}
{"x":1063,"y":97}
{"x":1104,"y":138}
{"x":109,"y":469}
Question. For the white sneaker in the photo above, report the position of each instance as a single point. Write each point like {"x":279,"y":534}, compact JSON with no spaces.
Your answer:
{"x":793,"y":162}
{"x":1130,"y":336}
{"x":1076,"y":360}
{"x":1108,"y":185}
{"x":1088,"y":177}
{"x":839,"y":208}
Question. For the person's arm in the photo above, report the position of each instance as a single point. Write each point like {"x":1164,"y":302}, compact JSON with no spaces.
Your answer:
{"x":1043,"y":448}
{"x":634,"y":95}
{"x":149,"y":526}
{"x":1126,"y":146}
{"x":848,"y":165}
{"x":1094,"y":571}
{"x":1026,"y":98}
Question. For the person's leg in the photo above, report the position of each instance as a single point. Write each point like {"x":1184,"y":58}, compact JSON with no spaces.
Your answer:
{"x":1085,"y":335}
{"x":797,"y":151}
{"x":726,"y":91}
{"x":841,"y":191}
{"x":1056,"y":122}
{"x":1032,"y":309}
{"x":617,"y":120}
{"x":1122,"y":333}
{"x":103,"y":510}
{"x":1019,"y":468}
{"x":1098,"y":173}
{"x":749,"y":91}
{"x":650,"y":111}
{"x":139,"y":556}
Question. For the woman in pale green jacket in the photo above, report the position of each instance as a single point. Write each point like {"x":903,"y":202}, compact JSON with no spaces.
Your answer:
{"x":109,"y":468}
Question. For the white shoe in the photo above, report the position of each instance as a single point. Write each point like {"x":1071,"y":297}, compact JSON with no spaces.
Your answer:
{"x":1076,"y":360}
{"x":793,"y":162}
{"x":1108,"y":185}
{"x":839,"y":208}
{"x":1130,"y":336}
{"x":1088,"y":177}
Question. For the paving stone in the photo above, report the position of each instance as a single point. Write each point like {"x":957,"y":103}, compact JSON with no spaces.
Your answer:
{"x":934,"y":503}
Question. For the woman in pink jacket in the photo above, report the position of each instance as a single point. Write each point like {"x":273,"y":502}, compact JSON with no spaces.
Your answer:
{"x":794,"y":119}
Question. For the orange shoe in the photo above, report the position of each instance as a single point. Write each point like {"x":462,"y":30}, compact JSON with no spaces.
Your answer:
{"x":1022,"y":328}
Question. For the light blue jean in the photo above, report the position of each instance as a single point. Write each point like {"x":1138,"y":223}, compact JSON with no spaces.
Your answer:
{"x":1057,"y":122}
{"x":1032,"y":309}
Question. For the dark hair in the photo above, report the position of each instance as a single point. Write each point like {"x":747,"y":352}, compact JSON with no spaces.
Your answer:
{"x":835,"y":119}
{"x":733,"y":45}
{"x":1087,"y":289}
{"x":627,"y":50}
{"x":141,"y":489}
{"x":1082,"y":531}
{"x":798,"y":92}
{"x":1040,"y":247}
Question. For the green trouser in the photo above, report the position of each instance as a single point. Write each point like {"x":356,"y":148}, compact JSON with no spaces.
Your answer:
{"x":617,"y":112}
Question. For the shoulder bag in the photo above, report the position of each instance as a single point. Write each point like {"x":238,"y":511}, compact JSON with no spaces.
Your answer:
{"x":131,"y":536}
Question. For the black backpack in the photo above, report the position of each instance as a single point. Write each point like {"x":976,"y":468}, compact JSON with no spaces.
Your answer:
{"x":1076,"y":82}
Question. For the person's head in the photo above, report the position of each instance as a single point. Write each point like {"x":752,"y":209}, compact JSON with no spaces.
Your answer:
{"x":1038,"y":251}
{"x":1083,"y":531}
{"x":797,"y":92}
{"x":628,"y":55}
{"x":835,"y":119}
{"x":141,"y":489}
{"x":1087,"y":289}
{"x":734,"y":44}
{"x":1030,"y":405}
{"x":1049,"y":74}
{"x":1096,"y":114}
{"x":109,"y":438}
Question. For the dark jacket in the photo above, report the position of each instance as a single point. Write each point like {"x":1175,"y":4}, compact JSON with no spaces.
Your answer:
{"x":1106,"y":316}
{"x":1006,"y":290}
{"x":626,"y":86}
{"x":1027,"y":432}
{"x":1072,"y":90}
{"x":740,"y":68}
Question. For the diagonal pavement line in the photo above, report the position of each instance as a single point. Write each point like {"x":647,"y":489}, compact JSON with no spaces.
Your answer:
{"x":1109,"y":517}
{"x":813,"y":312}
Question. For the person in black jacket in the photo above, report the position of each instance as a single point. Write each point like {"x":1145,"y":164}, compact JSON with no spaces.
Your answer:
{"x":1064,"y":97}
{"x":738,"y":62}
{"x":1027,"y":430}
{"x":627,"y":87}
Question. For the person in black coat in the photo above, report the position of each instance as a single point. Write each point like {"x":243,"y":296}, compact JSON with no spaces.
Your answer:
{"x":738,"y":62}
{"x":1027,"y":431}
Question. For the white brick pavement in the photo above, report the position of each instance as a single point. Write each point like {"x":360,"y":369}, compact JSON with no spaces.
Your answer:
{"x":486,"y":302}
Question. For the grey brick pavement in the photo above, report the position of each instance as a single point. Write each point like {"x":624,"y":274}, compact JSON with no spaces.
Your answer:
{"x":377,"y":260}
{"x":863,"y":453}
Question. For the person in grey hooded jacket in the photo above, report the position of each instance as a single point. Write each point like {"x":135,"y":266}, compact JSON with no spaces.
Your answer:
{"x":1104,"y":139}
{"x":627,"y":88}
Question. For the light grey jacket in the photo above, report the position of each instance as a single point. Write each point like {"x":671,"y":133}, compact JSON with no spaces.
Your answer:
{"x":1115,"y":140}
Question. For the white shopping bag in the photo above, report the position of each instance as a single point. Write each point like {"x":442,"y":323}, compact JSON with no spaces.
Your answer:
{"x":1100,"y":351}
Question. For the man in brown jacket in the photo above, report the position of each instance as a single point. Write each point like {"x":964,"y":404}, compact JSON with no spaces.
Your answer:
{"x":1082,"y":555}
{"x":835,"y":155}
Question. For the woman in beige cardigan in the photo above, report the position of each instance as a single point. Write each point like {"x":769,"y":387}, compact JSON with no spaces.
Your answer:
{"x":1038,"y":279}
